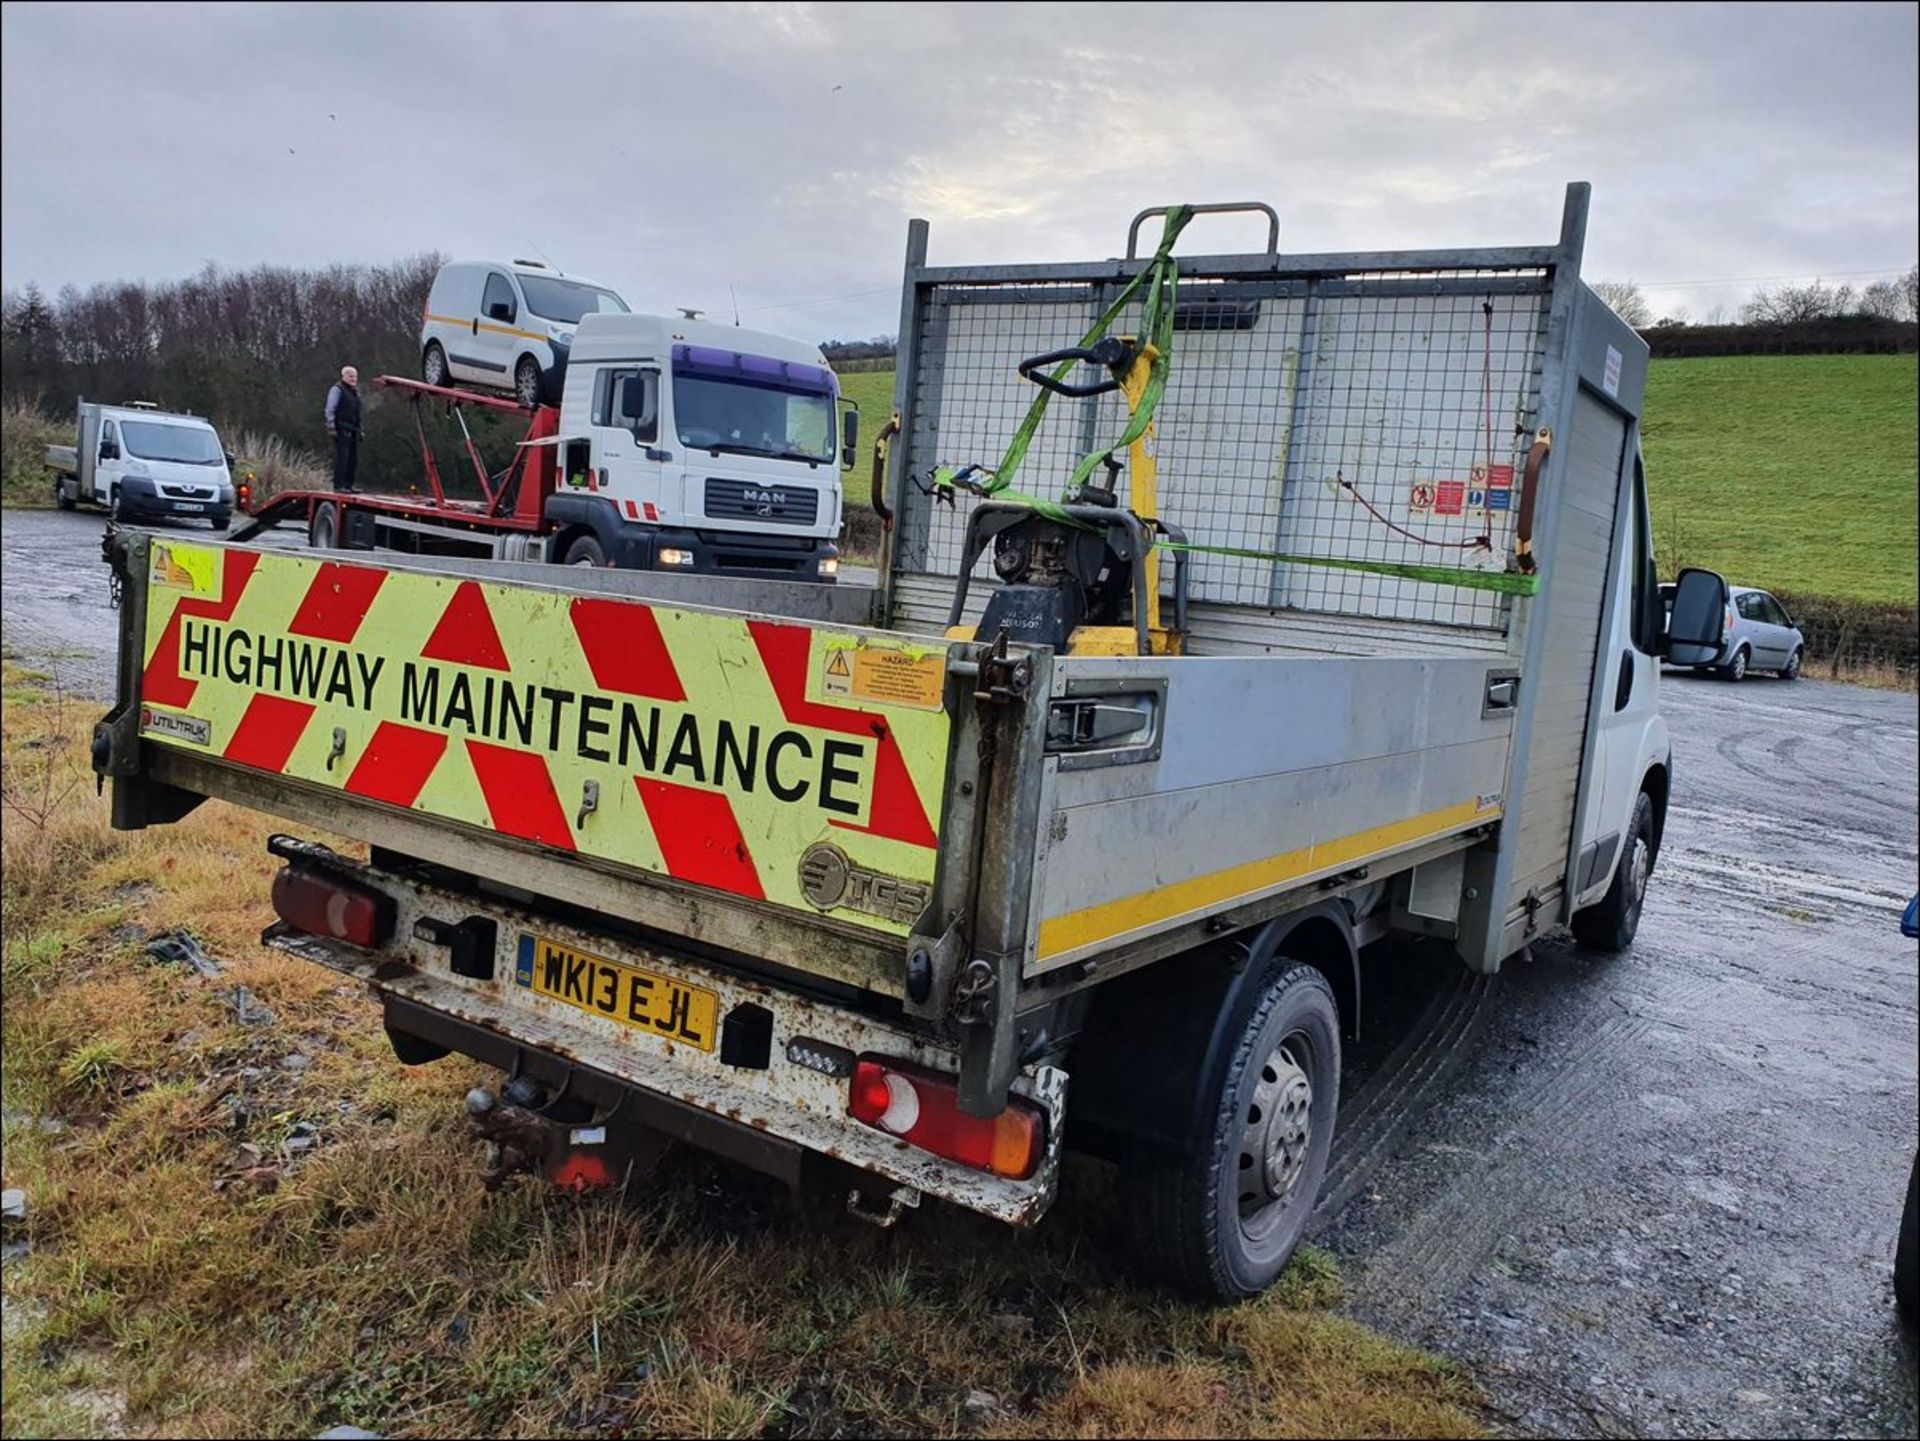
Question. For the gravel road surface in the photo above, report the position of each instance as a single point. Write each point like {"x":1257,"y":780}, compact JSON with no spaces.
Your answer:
{"x":1656,"y":1194}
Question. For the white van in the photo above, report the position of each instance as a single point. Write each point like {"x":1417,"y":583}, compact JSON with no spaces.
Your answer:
{"x":506,"y":325}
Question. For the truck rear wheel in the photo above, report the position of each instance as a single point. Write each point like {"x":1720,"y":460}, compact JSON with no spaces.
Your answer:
{"x":60,"y":496}
{"x":320,"y":535}
{"x":1222,"y":1216}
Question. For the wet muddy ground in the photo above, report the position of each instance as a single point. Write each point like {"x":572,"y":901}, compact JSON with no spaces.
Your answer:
{"x":1654,"y":1194}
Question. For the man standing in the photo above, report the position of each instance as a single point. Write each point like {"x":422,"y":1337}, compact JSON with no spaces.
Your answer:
{"x":343,"y":424}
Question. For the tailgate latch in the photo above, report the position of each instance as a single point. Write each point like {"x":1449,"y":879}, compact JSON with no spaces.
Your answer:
{"x":1107,"y":722}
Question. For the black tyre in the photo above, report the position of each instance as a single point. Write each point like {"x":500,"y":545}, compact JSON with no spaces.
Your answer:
{"x":1791,"y":670}
{"x":584,"y":550}
{"x":1906,"y":1257}
{"x":433,"y":365}
{"x":527,"y":388}
{"x":1735,"y":669}
{"x":322,"y":533}
{"x":60,"y":496}
{"x":115,"y":511}
{"x":1609,"y":924}
{"x":220,"y":523}
{"x":1221,"y":1218}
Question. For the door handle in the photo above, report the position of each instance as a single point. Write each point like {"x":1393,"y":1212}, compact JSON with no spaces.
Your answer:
{"x":476,"y":325}
{"x":1501,"y":695}
{"x":1623,"y":688}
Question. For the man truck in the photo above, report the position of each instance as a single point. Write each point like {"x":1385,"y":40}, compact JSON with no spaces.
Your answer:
{"x":1347,"y":626}
{"x":677,"y":445}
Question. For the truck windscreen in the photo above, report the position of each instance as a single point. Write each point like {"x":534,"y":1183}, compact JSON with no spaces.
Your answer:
{"x":566,"y":301}
{"x":187,"y":444}
{"x":752,"y":419}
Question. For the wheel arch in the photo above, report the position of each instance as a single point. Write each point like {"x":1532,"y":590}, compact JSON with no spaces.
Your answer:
{"x":1656,"y":785}
{"x":1187,"y":1011}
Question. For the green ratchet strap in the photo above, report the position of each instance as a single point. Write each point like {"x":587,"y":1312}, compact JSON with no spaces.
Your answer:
{"x":1504,"y":582}
{"x":1159,"y":278}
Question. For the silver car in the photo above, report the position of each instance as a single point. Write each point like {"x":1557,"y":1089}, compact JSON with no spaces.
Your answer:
{"x":1758,"y":635}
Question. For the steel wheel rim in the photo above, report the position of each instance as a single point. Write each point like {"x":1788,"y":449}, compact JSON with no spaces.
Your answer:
{"x":1276,"y":1136}
{"x":527,"y":390}
{"x":1640,"y":868}
{"x":436,"y":367}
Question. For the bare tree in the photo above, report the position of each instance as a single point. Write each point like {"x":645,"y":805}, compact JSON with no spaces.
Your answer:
{"x":1910,"y":284}
{"x":1626,"y":301}
{"x":1789,"y":304}
{"x":1885,"y":300}
{"x":1675,"y":318}
{"x":1718,"y":316}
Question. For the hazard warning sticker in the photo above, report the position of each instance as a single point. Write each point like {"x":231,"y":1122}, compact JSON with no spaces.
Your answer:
{"x":892,"y":675}
{"x":194,"y":569}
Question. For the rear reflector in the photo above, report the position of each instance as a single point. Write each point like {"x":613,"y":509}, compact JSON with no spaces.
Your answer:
{"x":322,"y":905}
{"x":923,"y":1108}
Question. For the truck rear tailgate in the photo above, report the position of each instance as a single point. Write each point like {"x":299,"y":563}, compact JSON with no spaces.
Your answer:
{"x":779,"y":766}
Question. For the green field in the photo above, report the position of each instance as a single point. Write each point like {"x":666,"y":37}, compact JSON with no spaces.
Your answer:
{"x":1796,"y":473}
{"x":872,"y":391}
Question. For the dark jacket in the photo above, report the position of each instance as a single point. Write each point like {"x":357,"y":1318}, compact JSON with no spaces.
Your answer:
{"x":343,"y":408}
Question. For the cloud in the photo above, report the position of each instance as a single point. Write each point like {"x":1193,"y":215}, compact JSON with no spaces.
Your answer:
{"x":680,"y":150}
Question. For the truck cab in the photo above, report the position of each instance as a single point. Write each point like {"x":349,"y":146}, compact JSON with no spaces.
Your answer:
{"x":697,"y":447}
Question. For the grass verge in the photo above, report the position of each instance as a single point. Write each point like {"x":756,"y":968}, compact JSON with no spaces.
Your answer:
{"x":268,"y":1229}
{"x":25,"y":433}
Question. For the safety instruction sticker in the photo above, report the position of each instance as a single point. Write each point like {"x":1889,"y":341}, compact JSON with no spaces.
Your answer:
{"x":889,"y":675}
{"x":713,"y":748}
{"x":1450,"y":497}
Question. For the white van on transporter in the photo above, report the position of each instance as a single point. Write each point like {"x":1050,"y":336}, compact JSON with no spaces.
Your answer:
{"x":506,"y":325}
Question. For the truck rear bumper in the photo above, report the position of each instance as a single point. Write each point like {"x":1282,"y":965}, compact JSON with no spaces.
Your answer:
{"x":755,"y":1104}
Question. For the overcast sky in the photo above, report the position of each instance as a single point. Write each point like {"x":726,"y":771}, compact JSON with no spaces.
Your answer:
{"x":781,"y":149}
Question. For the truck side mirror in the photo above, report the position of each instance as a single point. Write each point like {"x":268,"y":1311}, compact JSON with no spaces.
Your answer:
{"x":849,"y":436}
{"x":1697,"y":623}
{"x":639,"y":403}
{"x":109,"y":450}
{"x":232,"y":461}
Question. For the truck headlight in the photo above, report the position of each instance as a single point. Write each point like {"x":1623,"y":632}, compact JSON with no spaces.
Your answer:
{"x":829,"y":565}
{"x":673,"y":555}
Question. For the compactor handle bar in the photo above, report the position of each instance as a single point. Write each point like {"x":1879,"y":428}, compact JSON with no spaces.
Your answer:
{"x":1224,"y":208}
{"x":1114,"y":354}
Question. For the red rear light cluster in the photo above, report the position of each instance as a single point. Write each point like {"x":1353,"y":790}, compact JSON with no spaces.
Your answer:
{"x":922,"y":1108}
{"x":322,"y":905}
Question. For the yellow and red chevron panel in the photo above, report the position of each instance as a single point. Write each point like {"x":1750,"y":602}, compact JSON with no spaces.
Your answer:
{"x":766,"y":759}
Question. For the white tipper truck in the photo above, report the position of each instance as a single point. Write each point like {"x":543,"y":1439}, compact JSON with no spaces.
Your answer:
{"x":143,"y":463}
{"x":910,"y":886}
